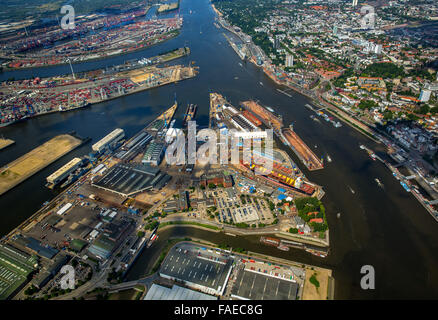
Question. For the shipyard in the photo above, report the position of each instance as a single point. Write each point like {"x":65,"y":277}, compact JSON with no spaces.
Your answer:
{"x":123,"y":193}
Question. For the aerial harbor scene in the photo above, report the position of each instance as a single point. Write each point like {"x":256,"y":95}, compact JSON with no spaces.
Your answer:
{"x":219,"y":150}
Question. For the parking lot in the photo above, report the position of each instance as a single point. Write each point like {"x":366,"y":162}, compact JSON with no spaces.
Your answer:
{"x":195,"y":266}
{"x":256,"y":286}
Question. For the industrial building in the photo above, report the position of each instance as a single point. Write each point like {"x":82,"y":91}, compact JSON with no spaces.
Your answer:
{"x":15,"y":268}
{"x":157,"y":292}
{"x":134,"y":147}
{"x":64,"y":171}
{"x":109,"y":140}
{"x":102,"y":247}
{"x":129,"y":179}
{"x":154,"y":153}
{"x":111,"y":237}
{"x":198,"y":268}
{"x":217,"y":179}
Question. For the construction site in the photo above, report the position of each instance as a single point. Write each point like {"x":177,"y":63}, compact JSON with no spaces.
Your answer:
{"x":22,"y":168}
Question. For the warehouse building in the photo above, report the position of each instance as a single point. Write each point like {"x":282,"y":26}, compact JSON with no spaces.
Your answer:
{"x":64,"y":171}
{"x":130,"y":179}
{"x":204,"y":271}
{"x":109,"y":140}
{"x":157,"y":292}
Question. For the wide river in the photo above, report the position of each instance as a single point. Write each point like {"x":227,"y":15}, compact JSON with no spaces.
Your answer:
{"x":386,"y":228}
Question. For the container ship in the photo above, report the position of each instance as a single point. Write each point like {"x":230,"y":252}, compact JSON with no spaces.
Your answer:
{"x":190,"y":114}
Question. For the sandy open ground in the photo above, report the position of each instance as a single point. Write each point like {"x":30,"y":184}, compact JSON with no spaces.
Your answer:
{"x":33,"y":161}
{"x":310,"y":292}
{"x":5,"y":143}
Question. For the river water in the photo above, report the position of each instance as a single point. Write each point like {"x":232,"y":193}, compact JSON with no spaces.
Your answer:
{"x":386,"y":228}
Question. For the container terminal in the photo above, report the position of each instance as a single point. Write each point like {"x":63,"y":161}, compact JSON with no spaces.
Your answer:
{"x":25,"y":99}
{"x":100,"y":38}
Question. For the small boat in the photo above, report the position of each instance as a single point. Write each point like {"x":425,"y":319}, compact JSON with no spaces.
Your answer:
{"x":240,"y":64}
{"x":261,"y":83}
{"x":338,"y":215}
{"x":283,"y":248}
{"x":329,"y":159}
{"x":352,"y":191}
{"x":380,"y":184}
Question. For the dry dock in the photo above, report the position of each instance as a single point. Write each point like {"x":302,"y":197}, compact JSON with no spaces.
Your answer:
{"x":22,"y":168}
{"x":5,"y":143}
{"x":306,"y":155}
{"x":267,"y":117}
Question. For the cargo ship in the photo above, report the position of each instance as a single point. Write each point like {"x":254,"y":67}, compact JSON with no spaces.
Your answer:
{"x":190,"y":114}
